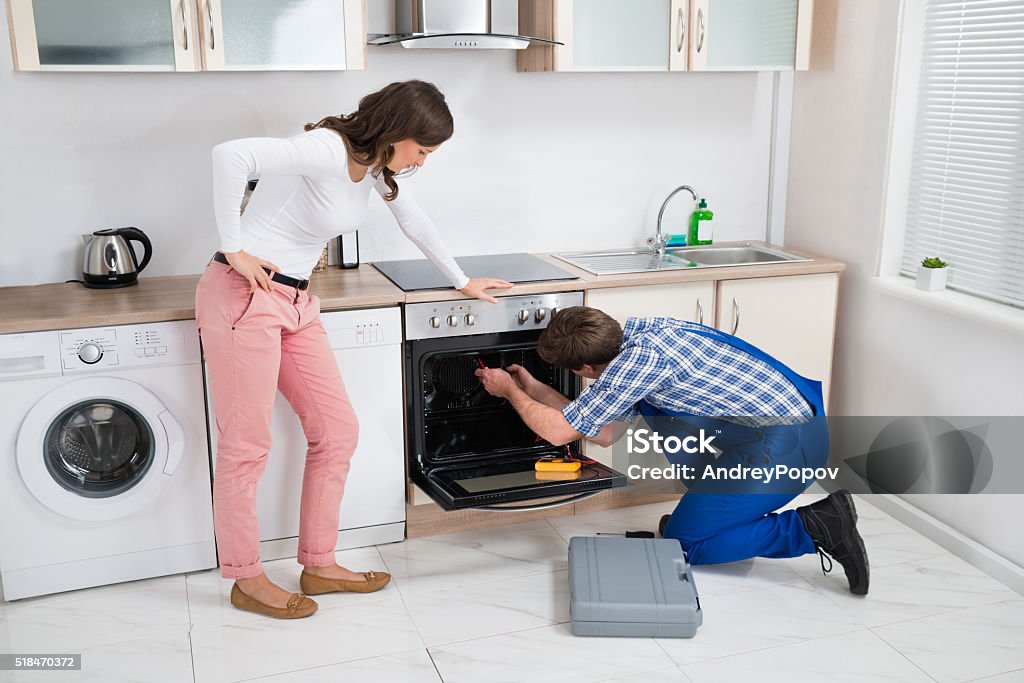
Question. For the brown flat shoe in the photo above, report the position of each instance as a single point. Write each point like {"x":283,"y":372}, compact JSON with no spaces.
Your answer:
{"x":299,"y":606}
{"x":315,"y":585}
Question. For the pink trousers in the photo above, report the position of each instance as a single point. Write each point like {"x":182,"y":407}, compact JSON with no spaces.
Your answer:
{"x":256,"y":344}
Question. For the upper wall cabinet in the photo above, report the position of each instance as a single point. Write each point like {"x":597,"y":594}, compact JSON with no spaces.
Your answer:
{"x":750,"y":35}
{"x":187,"y":35}
{"x":666,"y":35}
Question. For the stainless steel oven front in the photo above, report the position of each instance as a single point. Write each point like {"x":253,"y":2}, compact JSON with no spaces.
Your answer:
{"x":466,"y":448}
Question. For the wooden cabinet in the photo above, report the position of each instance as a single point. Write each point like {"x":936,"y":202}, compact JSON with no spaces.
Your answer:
{"x":187,"y":35}
{"x":666,"y":35}
{"x":692,"y":301}
{"x":791,"y":318}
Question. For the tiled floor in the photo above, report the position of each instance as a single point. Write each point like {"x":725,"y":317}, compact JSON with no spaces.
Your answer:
{"x":492,"y":606}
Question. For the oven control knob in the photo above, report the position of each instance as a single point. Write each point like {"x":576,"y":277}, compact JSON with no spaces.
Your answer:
{"x":435,"y":322}
{"x":453,"y":321}
{"x":524,"y":315}
{"x":540,"y":314}
{"x":554,"y":310}
{"x":90,"y":352}
{"x":470,"y":319}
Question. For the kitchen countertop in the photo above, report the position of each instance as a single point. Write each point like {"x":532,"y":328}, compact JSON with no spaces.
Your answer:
{"x":55,"y":306}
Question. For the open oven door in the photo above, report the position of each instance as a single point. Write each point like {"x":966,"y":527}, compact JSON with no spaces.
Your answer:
{"x":505,"y":484}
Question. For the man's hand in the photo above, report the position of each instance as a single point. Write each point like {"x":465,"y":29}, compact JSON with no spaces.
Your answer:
{"x":251,"y":268}
{"x":523,"y":378}
{"x":496,"y":381}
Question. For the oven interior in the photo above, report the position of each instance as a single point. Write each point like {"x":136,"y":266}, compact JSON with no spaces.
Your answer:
{"x":461,"y":420}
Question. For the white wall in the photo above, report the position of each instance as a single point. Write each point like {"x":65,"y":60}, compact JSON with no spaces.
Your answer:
{"x":539,"y":162}
{"x":893,"y":357}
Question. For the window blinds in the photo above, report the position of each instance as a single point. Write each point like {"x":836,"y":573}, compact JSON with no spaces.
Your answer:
{"x":966,"y":197}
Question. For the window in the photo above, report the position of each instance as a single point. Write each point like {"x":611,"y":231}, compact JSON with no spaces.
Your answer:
{"x":961,"y":92}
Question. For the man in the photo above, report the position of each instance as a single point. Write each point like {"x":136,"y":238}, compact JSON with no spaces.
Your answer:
{"x":690,"y":379}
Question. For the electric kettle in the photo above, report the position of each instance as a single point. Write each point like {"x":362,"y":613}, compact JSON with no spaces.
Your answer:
{"x":110,"y":261}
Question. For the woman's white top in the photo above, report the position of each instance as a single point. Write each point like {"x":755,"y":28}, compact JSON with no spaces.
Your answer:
{"x":304,"y":198}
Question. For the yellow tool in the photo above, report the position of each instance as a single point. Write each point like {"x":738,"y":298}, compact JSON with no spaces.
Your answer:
{"x":557,"y":465}
{"x":557,"y":476}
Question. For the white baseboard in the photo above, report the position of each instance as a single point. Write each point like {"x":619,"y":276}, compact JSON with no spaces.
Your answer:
{"x":972,"y":552}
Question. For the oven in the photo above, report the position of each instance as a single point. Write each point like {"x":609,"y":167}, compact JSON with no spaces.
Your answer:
{"x":466,"y":448}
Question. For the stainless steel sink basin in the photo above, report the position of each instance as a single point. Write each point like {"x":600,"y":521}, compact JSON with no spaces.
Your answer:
{"x":643,"y":261}
{"x":626,"y":261}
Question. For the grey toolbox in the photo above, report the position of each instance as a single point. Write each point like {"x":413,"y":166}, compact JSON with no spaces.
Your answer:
{"x":631,"y":587}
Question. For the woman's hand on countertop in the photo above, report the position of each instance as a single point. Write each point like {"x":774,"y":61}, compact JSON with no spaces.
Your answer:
{"x":251,"y":268}
{"x":476,"y":286}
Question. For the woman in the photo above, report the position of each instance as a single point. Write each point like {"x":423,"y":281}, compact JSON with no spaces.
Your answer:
{"x":261,"y":331}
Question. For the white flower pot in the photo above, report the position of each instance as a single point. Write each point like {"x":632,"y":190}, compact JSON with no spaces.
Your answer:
{"x":931,"y":279}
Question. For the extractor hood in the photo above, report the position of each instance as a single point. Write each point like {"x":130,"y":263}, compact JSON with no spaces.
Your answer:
{"x":451,"y":24}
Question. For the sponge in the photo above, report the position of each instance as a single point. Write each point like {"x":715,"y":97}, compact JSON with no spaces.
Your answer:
{"x":676,"y":241}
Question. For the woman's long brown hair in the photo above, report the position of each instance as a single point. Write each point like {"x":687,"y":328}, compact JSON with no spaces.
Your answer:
{"x":403,"y":110}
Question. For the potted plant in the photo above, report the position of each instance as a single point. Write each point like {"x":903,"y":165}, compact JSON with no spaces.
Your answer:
{"x":931,"y":274}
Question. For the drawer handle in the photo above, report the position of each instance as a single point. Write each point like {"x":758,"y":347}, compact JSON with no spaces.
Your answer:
{"x":700,"y":313}
{"x":735,"y":315}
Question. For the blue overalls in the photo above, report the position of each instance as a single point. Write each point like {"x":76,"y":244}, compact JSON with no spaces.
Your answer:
{"x":726,"y":521}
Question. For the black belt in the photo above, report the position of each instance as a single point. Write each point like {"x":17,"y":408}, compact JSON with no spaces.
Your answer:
{"x":276,"y":277}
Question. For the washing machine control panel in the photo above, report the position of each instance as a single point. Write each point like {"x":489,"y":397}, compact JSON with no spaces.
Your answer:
{"x":93,"y":348}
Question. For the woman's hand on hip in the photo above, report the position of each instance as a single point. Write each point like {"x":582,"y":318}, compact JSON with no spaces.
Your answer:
{"x":251,"y":268}
{"x":476,"y":286}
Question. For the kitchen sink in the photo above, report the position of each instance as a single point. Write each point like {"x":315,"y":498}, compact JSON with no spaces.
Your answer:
{"x":644,"y":261}
{"x":626,"y":261}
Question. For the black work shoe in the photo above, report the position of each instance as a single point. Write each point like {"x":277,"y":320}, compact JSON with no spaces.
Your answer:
{"x":832,"y":525}
{"x":661,"y":525}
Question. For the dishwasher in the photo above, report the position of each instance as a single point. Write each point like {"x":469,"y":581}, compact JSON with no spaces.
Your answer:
{"x":367,"y":346}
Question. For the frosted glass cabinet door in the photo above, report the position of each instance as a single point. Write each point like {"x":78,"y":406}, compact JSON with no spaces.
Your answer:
{"x":614,"y":35}
{"x":277,"y":34}
{"x":103,"y":35}
{"x":744,"y":35}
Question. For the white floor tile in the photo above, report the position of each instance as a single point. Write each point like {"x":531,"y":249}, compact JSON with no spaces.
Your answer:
{"x":154,"y":660}
{"x":93,"y":618}
{"x":405,"y":667}
{"x":209,"y":593}
{"x":758,"y":619}
{"x":271,"y":646}
{"x":760,"y":572}
{"x":547,"y":654}
{"x":853,"y":657}
{"x":1008,"y":677}
{"x":963,"y":645}
{"x":673,"y":675}
{"x":452,"y":560}
{"x":492,"y":608}
{"x":915,"y":589}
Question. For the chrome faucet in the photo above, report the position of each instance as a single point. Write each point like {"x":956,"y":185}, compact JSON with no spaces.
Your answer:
{"x":660,"y":240}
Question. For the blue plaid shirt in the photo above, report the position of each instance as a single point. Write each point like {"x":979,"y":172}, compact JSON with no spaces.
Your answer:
{"x":661,"y":362}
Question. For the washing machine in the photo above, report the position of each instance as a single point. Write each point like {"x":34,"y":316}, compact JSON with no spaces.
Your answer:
{"x":105,"y":460}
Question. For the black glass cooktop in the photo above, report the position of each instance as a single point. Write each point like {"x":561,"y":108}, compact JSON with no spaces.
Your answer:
{"x":416,"y":274}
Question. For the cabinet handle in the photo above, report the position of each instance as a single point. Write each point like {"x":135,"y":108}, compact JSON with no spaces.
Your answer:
{"x":681,"y":24}
{"x":700,"y":313}
{"x":209,"y":13}
{"x":184,"y":25}
{"x":735,"y":315}
{"x":700,"y":29}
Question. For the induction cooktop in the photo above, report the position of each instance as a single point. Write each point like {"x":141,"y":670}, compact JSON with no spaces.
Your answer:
{"x":416,"y":274}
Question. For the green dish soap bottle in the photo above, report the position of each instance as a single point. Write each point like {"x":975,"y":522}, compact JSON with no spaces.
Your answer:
{"x":700,"y":225}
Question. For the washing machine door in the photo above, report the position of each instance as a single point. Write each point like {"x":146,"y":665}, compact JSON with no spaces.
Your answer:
{"x":98,"y":448}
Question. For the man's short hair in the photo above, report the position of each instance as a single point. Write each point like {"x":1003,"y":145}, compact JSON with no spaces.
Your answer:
{"x":578,"y":336}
